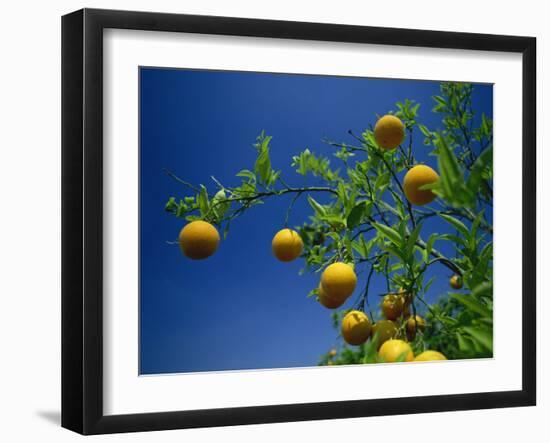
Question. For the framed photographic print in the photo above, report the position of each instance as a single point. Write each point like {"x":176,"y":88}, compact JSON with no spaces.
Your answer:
{"x":264,"y":220}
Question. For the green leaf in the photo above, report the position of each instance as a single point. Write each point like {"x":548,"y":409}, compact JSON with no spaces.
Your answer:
{"x":361,"y":247}
{"x":382,"y":182}
{"x":368,"y":209}
{"x":458,"y":225}
{"x":219,"y":204}
{"x":333,"y":220}
{"x":486,"y":253}
{"x":402,"y":357}
{"x":349,"y":248}
{"x":262,"y":167}
{"x":171,"y":204}
{"x":390,"y":208}
{"x":486,"y":125}
{"x":202,"y":200}
{"x":343,"y":195}
{"x":474,"y":228}
{"x":301,"y":162}
{"x":247,"y":174}
{"x":472,"y":304}
{"x":440,"y":100}
{"x":413,"y":238}
{"x":464,"y":343}
{"x":390,"y":233}
{"x":273,"y":177}
{"x":484,"y":161}
{"x":424,"y":130}
{"x":484,"y":289}
{"x":427,"y":285}
{"x":318,"y":208}
{"x":334,"y":236}
{"x":306,"y":162}
{"x":356,"y":214}
{"x":452,"y":238}
{"x":430,"y":244}
{"x":482,"y":336}
{"x":370,"y":350}
{"x":451,"y":176}
{"x":181,"y":209}
{"x":391,"y":248}
{"x":366,"y":247}
{"x":265,"y":141}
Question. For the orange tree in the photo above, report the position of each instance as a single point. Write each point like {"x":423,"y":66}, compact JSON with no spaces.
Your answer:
{"x":371,"y":219}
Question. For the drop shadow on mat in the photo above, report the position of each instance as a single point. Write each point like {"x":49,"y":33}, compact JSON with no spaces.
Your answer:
{"x":54,"y":417}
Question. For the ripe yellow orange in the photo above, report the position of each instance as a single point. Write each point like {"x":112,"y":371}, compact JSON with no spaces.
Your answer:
{"x":392,"y":350}
{"x":430,"y":356}
{"x":338,"y":281}
{"x":356,"y":328}
{"x":329,"y":302}
{"x":415,"y":178}
{"x":199,"y":240}
{"x":414,"y":324}
{"x":456,"y":282}
{"x":386,"y":330}
{"x":389,"y":132}
{"x":287,"y":245}
{"x":392,"y":306}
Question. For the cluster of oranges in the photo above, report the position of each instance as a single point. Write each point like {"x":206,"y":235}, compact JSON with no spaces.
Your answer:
{"x":357,"y":329}
{"x":199,"y":240}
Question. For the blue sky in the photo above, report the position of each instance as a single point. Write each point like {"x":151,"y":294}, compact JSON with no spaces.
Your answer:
{"x":241,"y":308}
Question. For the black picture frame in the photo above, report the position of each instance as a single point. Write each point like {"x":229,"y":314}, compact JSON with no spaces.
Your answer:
{"x":82,"y":218}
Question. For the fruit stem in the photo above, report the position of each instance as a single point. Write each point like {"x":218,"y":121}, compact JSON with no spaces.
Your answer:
{"x":290,"y":208}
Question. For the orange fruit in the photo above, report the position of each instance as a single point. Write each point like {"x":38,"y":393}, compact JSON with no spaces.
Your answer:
{"x":393,"y":349}
{"x":287,"y":245}
{"x":456,"y":282}
{"x":415,"y":178}
{"x":392,"y":306}
{"x":386,"y":330}
{"x":338,"y":281}
{"x":407,"y":302}
{"x":356,"y":328}
{"x":430,"y":356}
{"x":199,"y":240}
{"x":389,"y":132}
{"x":329,"y":302}
{"x":414,"y":324}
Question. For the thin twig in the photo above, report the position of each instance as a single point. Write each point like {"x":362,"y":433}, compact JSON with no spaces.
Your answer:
{"x":366,"y":293}
{"x":343,"y":145}
{"x":290,"y":207}
{"x":179,"y":180}
{"x":396,"y":179}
